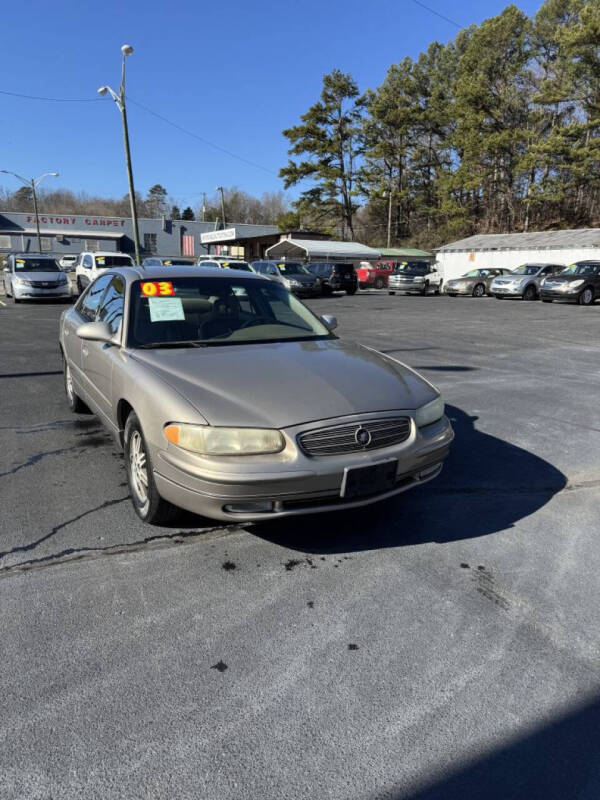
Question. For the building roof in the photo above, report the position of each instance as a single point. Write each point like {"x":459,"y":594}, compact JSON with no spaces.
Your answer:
{"x":403,"y":252}
{"x":321,"y":249}
{"x":539,"y":240}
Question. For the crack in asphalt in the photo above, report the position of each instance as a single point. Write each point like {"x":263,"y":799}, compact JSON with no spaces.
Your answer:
{"x":32,"y":545}
{"x":158,"y":542}
{"x":38,"y":457}
{"x":569,"y":487}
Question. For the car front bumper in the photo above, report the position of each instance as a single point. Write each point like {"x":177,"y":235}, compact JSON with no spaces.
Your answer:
{"x":506,"y":291}
{"x":412,"y":286}
{"x":304,"y":485}
{"x":35,"y":293}
{"x":571,"y":296}
{"x":466,"y":290}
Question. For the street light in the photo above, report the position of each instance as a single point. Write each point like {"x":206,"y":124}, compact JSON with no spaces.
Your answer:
{"x":33,"y":183}
{"x":119,"y":99}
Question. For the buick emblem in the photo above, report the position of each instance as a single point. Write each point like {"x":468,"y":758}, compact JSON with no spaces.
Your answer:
{"x":363,"y":437}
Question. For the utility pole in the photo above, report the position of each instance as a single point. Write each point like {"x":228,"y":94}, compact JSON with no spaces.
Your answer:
{"x":203,"y":205}
{"x":33,"y":183}
{"x":389,"y":220}
{"x":220,"y":189}
{"x":119,"y":99}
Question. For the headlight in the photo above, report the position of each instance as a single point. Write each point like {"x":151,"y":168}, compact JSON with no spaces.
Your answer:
{"x":224,"y":441}
{"x":573,"y":284}
{"x":430,"y":413}
{"x":22,"y":282}
{"x":62,"y":278}
{"x":292,"y":284}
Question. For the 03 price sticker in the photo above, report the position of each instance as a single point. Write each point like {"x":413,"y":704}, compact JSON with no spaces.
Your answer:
{"x":157,"y":289}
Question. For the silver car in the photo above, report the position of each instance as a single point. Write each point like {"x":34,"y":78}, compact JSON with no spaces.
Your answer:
{"x":31,"y":277}
{"x":233,"y":400}
{"x":524,"y":281}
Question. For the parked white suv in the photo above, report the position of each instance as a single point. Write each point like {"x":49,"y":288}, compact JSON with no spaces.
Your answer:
{"x":90,"y":265}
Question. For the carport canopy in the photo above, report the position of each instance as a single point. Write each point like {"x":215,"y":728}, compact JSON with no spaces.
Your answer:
{"x":325,"y":250}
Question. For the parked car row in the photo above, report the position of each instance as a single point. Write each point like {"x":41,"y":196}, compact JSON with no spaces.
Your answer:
{"x":579,"y":283}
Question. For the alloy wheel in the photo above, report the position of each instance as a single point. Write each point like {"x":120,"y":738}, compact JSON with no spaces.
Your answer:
{"x":137,"y":467}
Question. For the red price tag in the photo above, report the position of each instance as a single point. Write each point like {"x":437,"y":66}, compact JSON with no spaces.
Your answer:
{"x":157,"y":288}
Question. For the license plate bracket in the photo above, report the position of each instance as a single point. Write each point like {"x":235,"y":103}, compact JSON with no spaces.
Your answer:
{"x":370,"y":479}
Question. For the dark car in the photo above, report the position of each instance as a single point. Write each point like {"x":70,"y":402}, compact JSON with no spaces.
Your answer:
{"x":171,"y":261}
{"x":476,"y":282}
{"x":292,"y":274}
{"x":578,"y":283}
{"x":335,"y":276}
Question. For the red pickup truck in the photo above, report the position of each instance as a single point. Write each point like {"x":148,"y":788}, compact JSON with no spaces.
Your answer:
{"x":374,"y":275}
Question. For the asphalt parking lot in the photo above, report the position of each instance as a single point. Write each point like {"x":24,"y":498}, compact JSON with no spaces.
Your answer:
{"x":441,"y":645}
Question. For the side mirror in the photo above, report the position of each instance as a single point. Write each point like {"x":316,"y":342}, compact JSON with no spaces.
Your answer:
{"x":6,"y":269}
{"x":95,"y":332}
{"x":329,"y":321}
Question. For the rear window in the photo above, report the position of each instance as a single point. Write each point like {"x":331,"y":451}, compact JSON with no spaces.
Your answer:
{"x":344,"y":269}
{"x":113,"y":261}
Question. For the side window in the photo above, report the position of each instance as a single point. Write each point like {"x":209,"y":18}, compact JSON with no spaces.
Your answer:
{"x":272,"y":270}
{"x":91,"y":299}
{"x":547,"y":271}
{"x":111,"y":310}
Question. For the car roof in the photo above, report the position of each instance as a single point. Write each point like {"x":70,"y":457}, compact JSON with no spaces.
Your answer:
{"x":132,"y":274}
{"x":33,"y":255}
{"x":105,"y":253}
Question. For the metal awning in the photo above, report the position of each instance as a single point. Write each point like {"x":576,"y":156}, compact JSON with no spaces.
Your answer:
{"x":325,"y":250}
{"x":92,"y":234}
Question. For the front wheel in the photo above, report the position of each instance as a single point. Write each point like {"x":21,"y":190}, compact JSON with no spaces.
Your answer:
{"x":424,"y":290}
{"x":379,"y":283}
{"x":530,"y":292}
{"x":147,"y":503}
{"x":478,"y":290}
{"x":586,"y":298}
{"x":75,"y":402}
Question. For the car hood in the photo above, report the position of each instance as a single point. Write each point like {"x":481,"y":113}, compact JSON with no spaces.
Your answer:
{"x":308,"y":279}
{"x":284,"y":384}
{"x":463,"y":280}
{"x":39,"y":276}
{"x":567,"y":278}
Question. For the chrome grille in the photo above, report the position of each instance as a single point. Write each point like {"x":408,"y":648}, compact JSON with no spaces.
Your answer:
{"x":44,"y":284}
{"x":347,"y":438}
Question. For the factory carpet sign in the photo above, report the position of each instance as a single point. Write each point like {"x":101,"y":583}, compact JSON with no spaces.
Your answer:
{"x":91,"y":221}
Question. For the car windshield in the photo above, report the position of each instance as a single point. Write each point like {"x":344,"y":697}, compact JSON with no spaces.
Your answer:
{"x":292,"y":269}
{"x":412,"y":268}
{"x":113,"y":261}
{"x":527,"y":269}
{"x":243,"y":265}
{"x":36,"y":265}
{"x":173,"y":262}
{"x":581,"y":269}
{"x":206,"y":311}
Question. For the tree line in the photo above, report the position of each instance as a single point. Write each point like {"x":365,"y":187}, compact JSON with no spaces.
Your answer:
{"x":239,"y":206}
{"x":496,"y":131}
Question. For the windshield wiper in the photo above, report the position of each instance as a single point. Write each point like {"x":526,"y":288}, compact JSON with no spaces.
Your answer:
{"x":157,"y":345}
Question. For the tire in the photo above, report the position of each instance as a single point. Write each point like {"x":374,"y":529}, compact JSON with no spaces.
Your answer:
{"x":363,"y":285}
{"x":74,"y":402}
{"x":586,"y":298}
{"x":478,"y":290}
{"x":391,"y":292}
{"x":350,"y":291}
{"x":147,"y":503}
{"x":424,"y":290}
{"x":15,"y":299}
{"x":450,"y":294}
{"x":379,"y":282}
{"x":530,"y":292}
{"x":499,"y":297}
{"x":80,"y":286}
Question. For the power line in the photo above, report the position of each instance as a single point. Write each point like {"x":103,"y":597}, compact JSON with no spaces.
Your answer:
{"x":437,"y":14}
{"x":200,"y":138}
{"x":53,"y":99}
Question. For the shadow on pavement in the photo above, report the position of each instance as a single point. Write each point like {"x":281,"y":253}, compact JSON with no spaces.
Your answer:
{"x":487,"y":485}
{"x":556,"y":762}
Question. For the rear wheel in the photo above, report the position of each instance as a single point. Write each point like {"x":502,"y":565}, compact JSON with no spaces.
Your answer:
{"x":586,"y":298}
{"x":75,"y":402}
{"x":478,"y":290}
{"x":350,"y":291}
{"x":379,"y":282}
{"x":148,"y":504}
{"x":530,"y":292}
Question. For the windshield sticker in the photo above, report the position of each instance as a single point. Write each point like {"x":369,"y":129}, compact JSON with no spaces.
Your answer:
{"x":281,"y":267}
{"x":20,"y":260}
{"x":100,"y":261}
{"x":157,"y":288}
{"x":167,"y":263}
{"x":166,"y":309}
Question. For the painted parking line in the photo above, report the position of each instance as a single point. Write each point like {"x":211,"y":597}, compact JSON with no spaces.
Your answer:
{"x":1,"y":303}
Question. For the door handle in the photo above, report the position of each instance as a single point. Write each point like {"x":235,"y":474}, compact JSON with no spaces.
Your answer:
{"x":85,"y":351}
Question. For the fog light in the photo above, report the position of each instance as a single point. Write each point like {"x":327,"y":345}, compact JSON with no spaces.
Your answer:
{"x":262,"y":507}
{"x":426,"y":473}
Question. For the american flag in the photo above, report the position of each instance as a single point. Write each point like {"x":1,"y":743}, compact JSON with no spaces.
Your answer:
{"x":187,"y":245}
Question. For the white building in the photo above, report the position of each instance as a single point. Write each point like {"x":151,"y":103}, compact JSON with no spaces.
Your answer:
{"x":510,"y":250}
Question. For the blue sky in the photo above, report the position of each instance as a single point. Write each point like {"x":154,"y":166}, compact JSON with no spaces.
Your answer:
{"x":234,"y":73}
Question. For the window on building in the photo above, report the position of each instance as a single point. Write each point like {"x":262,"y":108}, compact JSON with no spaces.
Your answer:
{"x":5,"y":243}
{"x":46,"y":244}
{"x":92,"y":245}
{"x":150,"y":243}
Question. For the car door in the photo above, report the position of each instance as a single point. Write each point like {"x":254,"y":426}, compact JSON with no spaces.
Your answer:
{"x":98,"y":357}
{"x":86,"y":310}
{"x":87,"y":276}
{"x":6,"y":276}
{"x":543,"y":273}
